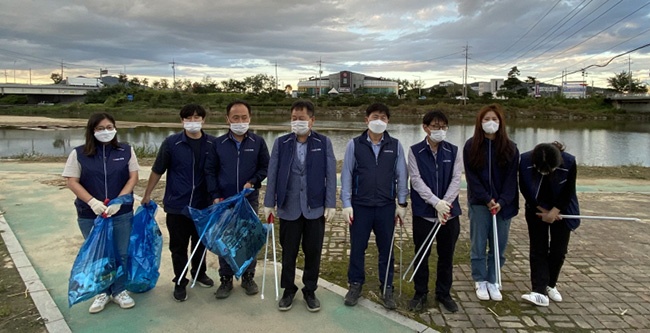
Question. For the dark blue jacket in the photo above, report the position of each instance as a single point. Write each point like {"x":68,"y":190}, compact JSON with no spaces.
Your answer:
{"x":103,"y":185}
{"x":500,"y":184}
{"x":373,"y":179}
{"x":186,"y":185}
{"x":227,"y":169}
{"x":558,"y":189}
{"x":437,"y":173}
{"x":316,"y":166}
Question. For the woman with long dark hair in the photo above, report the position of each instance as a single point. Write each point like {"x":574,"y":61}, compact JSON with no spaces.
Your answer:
{"x":103,"y":169}
{"x":491,"y":160}
{"x":547,"y":178}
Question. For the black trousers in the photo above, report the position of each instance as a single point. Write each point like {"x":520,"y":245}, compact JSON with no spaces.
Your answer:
{"x":310,"y":234}
{"x":181,"y":231}
{"x":546,"y":255}
{"x":445,"y":246}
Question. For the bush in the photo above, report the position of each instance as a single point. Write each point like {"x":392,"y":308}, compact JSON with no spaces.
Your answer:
{"x":13,"y":99}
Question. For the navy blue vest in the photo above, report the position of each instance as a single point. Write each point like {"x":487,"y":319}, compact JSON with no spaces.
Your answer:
{"x":437,"y":174}
{"x":316,"y":166}
{"x":529,"y":180}
{"x":92,"y":176}
{"x":373,"y":179}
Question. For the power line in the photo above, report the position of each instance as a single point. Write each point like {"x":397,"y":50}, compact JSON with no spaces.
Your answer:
{"x":527,"y":32}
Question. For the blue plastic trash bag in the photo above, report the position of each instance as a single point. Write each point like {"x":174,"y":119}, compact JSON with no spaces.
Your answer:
{"x":232,"y":230}
{"x":97,"y":264}
{"x":145,"y":247}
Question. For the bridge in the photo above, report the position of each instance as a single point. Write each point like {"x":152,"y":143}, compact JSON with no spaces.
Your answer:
{"x":631,"y":102}
{"x":49,"y":93}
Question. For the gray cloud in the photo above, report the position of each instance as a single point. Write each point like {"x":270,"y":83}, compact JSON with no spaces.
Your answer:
{"x":235,"y":38}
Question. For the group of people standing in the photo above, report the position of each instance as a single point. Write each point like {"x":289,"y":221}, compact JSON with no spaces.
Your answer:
{"x":301,"y":191}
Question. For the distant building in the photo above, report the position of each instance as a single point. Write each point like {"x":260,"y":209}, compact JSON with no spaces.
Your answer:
{"x":346,"y":82}
{"x":447,"y":83}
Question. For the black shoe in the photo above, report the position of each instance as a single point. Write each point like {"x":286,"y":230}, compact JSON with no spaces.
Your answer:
{"x":286,"y":301}
{"x":418,"y":303}
{"x":448,"y":303}
{"x":180,"y":294}
{"x":224,"y":289}
{"x":205,"y":281}
{"x":352,"y":297}
{"x":249,"y":284}
{"x":313,"y":304}
{"x":389,"y":300}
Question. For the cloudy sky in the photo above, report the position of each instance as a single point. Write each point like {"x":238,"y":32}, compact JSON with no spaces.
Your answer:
{"x":410,"y":39}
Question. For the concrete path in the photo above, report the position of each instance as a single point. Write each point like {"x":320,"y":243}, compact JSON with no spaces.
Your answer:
{"x":47,"y":239}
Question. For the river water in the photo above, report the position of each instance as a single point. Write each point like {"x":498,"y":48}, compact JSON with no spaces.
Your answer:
{"x":594,"y":143}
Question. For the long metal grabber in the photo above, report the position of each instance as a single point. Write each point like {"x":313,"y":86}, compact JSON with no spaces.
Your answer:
{"x":587,"y":217}
{"x":390,"y":254}
{"x":420,"y":250}
{"x":271,"y":220}
{"x":495,"y":243}
{"x":266,"y":256}
{"x":427,"y":249}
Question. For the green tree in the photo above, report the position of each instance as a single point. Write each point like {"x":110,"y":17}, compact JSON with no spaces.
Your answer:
{"x":56,"y":77}
{"x":624,"y":83}
{"x":123,"y":79}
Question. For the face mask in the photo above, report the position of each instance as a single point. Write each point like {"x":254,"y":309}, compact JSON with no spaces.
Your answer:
{"x":490,"y":127}
{"x":377,"y":126}
{"x":300,"y":127}
{"x":105,"y":135}
{"x":438,"y":136}
{"x":192,"y":126}
{"x":239,"y":128}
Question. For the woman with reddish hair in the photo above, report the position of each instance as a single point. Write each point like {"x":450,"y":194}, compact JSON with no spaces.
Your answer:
{"x":491,"y":161}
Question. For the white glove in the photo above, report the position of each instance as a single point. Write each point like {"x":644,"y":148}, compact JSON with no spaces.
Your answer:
{"x":97,"y":206}
{"x":112,"y":209}
{"x":442,"y":217}
{"x":348,"y":215}
{"x":400,"y":212}
{"x":329,"y":214}
{"x":268,"y":211}
{"x":443,"y":207}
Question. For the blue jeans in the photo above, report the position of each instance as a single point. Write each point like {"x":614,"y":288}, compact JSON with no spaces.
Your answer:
{"x":121,"y":235}
{"x":481,"y":235}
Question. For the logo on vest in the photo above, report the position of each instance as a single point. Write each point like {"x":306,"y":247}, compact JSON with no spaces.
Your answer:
{"x":119,"y":159}
{"x":316,"y":149}
{"x":249,"y":149}
{"x":388,"y":151}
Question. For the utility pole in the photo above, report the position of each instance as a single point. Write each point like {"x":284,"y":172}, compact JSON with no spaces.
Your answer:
{"x":320,"y":71}
{"x":584,"y":84}
{"x":465,"y":76}
{"x":276,"y":75}
{"x":629,"y":73}
{"x":173,"y":63}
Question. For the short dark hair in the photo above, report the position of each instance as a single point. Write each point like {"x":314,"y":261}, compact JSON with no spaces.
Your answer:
{"x":303,"y":104}
{"x":238,"y":101}
{"x":189,"y":110}
{"x":434,"y":115}
{"x":378,"y":107}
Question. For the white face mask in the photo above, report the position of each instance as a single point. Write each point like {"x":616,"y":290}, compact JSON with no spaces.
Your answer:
{"x":105,"y":135}
{"x":490,"y":127}
{"x":377,"y":126}
{"x":192,"y":126}
{"x":438,"y":135}
{"x":239,"y":128}
{"x":300,"y":127}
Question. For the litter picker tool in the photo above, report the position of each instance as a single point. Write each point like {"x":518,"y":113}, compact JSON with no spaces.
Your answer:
{"x":200,"y":264}
{"x":586,"y":217}
{"x":270,"y":229}
{"x":497,"y":260}
{"x":390,"y":254}
{"x":432,"y":232}
{"x":428,"y":241}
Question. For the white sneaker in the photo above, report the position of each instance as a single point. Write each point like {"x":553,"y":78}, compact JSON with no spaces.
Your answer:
{"x":536,"y":298}
{"x":554,"y":294}
{"x":100,"y":302}
{"x":494,"y":292}
{"x":124,"y":300}
{"x":481,"y":290}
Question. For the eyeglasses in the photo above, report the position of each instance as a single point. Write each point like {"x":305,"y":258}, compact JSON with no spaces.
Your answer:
{"x":102,"y":128}
{"x":438,"y":127}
